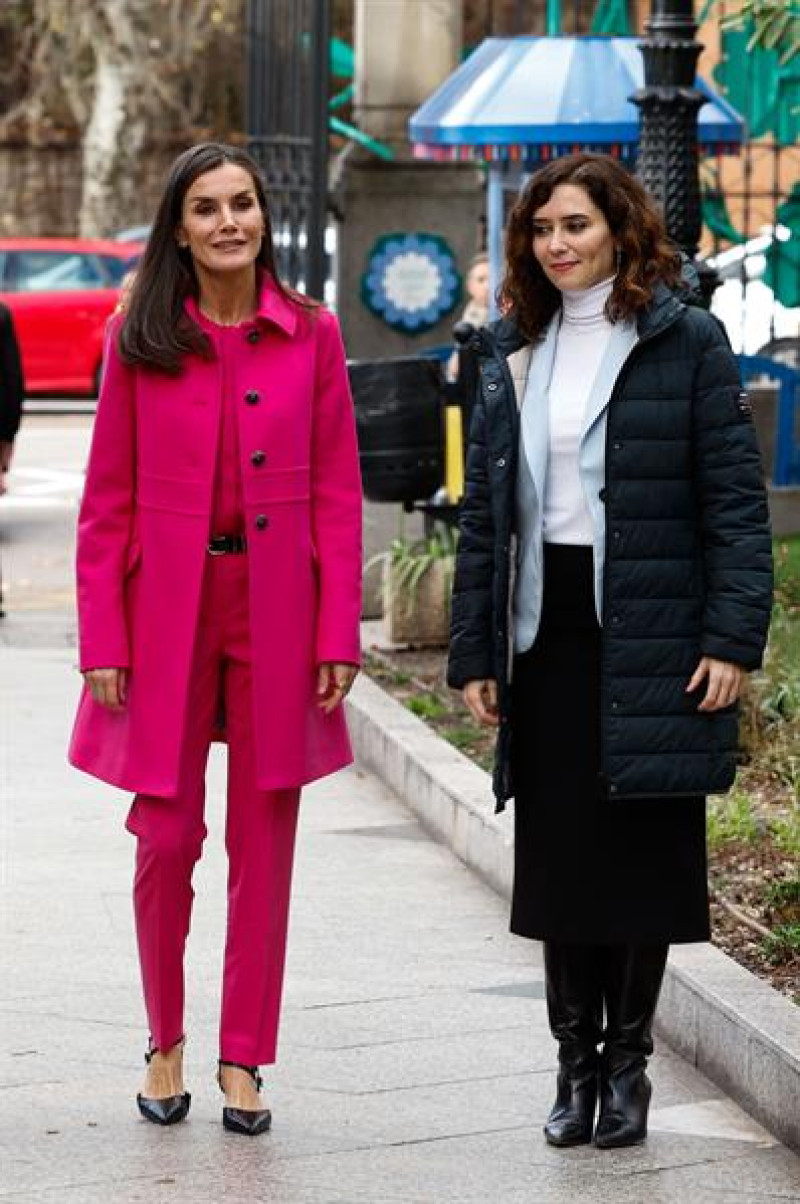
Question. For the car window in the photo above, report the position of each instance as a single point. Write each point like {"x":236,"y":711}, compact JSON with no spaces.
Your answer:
{"x":116,"y":267}
{"x":53,"y":271}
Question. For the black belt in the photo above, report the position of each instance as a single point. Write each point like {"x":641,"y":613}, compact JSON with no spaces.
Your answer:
{"x":220,"y":544}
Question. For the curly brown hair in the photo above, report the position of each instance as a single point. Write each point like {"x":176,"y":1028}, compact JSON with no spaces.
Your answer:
{"x":645,"y":253}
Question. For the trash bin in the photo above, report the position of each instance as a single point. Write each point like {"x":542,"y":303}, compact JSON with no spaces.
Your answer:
{"x":398,"y":405}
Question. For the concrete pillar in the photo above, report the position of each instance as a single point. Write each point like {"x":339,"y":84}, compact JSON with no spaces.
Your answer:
{"x":404,"y":50}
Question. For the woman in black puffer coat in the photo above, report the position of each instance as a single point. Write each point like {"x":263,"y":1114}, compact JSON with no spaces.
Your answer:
{"x":613,"y":583}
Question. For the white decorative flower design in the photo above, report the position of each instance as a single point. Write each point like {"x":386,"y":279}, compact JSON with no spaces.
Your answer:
{"x":411,"y":281}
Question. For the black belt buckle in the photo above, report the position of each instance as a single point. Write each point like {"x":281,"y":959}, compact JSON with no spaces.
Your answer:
{"x":220,"y":545}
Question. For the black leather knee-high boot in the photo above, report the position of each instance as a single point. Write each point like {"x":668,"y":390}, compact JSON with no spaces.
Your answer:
{"x":631,"y":978}
{"x":575,"y":1011}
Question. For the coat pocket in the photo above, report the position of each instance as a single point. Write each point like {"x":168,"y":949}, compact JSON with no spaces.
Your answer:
{"x":277,"y":486}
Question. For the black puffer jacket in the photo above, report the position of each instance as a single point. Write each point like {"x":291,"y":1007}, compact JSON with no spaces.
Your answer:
{"x":688,"y":568}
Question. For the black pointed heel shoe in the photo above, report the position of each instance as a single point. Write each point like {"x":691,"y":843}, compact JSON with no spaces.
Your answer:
{"x":245,"y":1121}
{"x":169,"y":1110}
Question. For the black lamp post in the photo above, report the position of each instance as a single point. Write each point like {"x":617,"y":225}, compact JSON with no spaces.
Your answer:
{"x":318,"y":198}
{"x":668,"y":105}
{"x":287,"y":126}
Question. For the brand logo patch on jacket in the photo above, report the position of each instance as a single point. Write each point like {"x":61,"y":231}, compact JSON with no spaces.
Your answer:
{"x":744,"y":404}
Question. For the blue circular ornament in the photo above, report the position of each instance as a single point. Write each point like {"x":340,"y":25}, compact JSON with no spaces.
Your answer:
{"x":411,"y":281}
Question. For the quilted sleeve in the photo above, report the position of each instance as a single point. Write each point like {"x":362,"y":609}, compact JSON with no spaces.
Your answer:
{"x":733,"y":512}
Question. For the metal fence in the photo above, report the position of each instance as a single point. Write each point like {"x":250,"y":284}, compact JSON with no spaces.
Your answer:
{"x":287,"y":123}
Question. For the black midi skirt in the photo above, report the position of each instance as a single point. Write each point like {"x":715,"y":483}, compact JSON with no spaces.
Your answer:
{"x":588,"y":869}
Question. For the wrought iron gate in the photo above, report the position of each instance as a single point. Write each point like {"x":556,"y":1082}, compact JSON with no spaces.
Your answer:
{"x":287,"y":123}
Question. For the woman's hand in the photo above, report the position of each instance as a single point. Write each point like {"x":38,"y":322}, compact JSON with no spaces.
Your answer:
{"x":108,"y":687}
{"x":481,"y":698}
{"x":333,"y":683}
{"x":724,"y":683}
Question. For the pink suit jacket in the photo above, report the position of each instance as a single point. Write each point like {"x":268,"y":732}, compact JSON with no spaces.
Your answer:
{"x":142,"y":534}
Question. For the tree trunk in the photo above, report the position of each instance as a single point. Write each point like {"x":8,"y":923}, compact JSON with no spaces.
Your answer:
{"x":115,"y":135}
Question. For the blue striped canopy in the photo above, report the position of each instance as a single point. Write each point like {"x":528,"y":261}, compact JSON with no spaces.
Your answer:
{"x":532,"y":97}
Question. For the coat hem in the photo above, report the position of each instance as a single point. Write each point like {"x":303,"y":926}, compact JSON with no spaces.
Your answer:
{"x":121,"y":781}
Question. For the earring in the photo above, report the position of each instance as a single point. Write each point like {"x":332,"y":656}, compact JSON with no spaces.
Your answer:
{"x":617,"y":259}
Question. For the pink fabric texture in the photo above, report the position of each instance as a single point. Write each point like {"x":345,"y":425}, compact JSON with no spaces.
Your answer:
{"x":259,"y":837}
{"x":142,"y":534}
{"x":227,"y":506}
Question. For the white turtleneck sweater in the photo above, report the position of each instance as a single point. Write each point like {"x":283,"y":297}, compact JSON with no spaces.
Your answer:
{"x":582,"y":339}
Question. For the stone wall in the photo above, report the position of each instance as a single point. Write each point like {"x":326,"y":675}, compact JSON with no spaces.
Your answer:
{"x":40,"y":187}
{"x":374,"y":199}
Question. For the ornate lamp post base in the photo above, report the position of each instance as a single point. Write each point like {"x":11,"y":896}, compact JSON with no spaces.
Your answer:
{"x":669,"y":104}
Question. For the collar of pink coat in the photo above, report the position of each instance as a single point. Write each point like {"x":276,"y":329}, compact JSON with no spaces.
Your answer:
{"x":273,"y":307}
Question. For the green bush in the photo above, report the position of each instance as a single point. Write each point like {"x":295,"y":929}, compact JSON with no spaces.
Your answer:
{"x":782,"y":944}
{"x":427,"y":706}
{"x":786,"y":553}
{"x":785,"y":831}
{"x":732,"y":817}
{"x":783,"y":900}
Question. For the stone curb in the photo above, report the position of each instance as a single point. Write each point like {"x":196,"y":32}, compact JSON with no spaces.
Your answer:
{"x":735,"y":1028}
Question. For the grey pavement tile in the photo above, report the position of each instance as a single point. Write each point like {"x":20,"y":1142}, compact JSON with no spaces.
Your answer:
{"x":50,"y":1024}
{"x":494,"y":1165}
{"x":414,"y":1018}
{"x":405,"y":831}
{"x":421,"y":1114}
{"x":460,"y":1057}
{"x":660,"y":1190}
{"x":519,"y":990}
{"x":213,"y":1186}
{"x":675,"y":1082}
{"x":762,"y":1175}
{"x":320,"y":1123}
{"x":718,"y":1118}
{"x":508,"y":1166}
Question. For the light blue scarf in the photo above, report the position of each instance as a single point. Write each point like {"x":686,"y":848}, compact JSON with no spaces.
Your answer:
{"x":532,"y":475}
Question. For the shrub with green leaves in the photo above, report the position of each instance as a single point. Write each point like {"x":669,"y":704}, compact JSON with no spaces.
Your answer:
{"x":732,"y":817}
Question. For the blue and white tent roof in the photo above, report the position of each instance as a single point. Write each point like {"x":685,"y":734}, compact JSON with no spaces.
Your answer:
{"x":534,"y":97}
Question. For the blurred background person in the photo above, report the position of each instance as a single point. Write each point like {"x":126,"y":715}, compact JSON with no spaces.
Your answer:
{"x":12,"y":393}
{"x":476,"y":311}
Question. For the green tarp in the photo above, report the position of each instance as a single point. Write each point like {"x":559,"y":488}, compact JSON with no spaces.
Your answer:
{"x":611,"y":17}
{"x":783,"y":258}
{"x":716,"y":217}
{"x":766,"y":93}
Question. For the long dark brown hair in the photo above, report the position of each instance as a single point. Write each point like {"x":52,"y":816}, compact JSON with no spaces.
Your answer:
{"x":645,"y":254}
{"x":156,"y":330}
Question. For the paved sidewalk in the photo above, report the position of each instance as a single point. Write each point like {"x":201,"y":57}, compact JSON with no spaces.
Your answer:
{"x":415,"y":1062}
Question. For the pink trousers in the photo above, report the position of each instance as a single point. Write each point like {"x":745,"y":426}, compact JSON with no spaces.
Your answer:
{"x":259,"y":837}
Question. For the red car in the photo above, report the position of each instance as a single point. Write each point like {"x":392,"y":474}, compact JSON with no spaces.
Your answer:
{"x":60,"y":292}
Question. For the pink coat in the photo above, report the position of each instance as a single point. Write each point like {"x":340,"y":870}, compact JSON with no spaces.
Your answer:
{"x":142,"y":534}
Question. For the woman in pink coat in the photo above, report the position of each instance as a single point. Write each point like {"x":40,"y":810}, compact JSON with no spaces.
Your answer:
{"x":219,"y":561}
